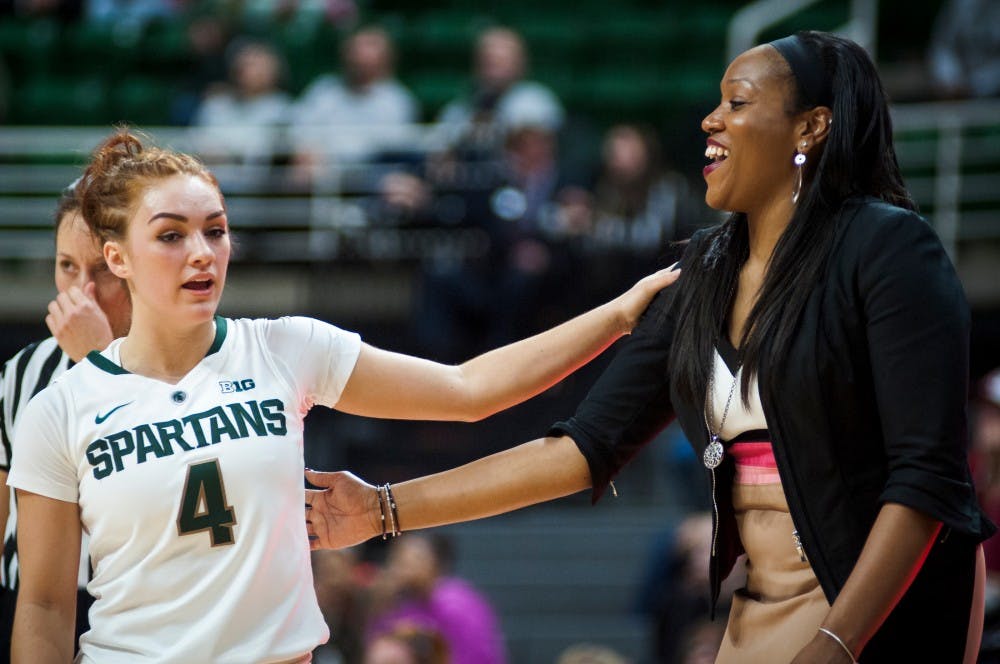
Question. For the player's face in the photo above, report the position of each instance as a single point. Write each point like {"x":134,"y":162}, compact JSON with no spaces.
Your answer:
{"x":177,"y":251}
{"x":79,"y":262}
{"x":753,"y":128}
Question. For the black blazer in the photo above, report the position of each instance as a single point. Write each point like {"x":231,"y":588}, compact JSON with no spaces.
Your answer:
{"x":868,"y":407}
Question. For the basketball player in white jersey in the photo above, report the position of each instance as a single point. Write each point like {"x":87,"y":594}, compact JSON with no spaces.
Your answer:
{"x":179,"y":447}
{"x":91,"y":308}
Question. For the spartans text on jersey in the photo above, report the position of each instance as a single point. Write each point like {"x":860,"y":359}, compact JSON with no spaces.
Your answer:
{"x":160,"y":439}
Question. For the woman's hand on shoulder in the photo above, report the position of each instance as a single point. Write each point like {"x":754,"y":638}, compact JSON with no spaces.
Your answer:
{"x":344,"y":511}
{"x":78,"y":323}
{"x":633,"y":302}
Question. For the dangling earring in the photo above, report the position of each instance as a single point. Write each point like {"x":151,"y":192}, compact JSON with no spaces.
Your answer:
{"x":799,"y":161}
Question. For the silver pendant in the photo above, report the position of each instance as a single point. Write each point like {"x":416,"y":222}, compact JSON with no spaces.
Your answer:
{"x":712,"y":456}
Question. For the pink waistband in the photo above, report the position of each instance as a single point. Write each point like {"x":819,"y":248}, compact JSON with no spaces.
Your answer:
{"x":755,"y":463}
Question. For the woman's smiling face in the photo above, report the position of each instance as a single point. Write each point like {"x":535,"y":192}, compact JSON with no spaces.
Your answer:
{"x":752,"y":136}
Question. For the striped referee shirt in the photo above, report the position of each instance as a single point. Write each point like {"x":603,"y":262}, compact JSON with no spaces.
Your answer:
{"x":24,"y":376}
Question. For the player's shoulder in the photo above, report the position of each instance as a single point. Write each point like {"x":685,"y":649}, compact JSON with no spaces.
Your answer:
{"x":244,"y":333}
{"x":278,"y":325}
{"x":280,"y":334}
{"x":92,"y":372}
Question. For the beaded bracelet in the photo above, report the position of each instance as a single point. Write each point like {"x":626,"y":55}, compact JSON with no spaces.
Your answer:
{"x":381,"y":509}
{"x":393,"y":514}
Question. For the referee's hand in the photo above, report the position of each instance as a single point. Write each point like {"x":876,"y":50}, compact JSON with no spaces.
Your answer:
{"x":78,"y":323}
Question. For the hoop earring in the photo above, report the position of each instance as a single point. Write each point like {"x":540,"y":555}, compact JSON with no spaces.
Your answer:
{"x":799,"y":160}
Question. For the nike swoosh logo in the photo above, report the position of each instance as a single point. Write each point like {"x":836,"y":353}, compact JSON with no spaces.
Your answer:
{"x":100,"y":418}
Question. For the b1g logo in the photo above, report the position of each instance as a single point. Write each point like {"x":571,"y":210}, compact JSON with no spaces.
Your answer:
{"x":229,"y":386}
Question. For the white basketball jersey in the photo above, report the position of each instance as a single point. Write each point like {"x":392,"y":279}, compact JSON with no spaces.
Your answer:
{"x":192,"y":493}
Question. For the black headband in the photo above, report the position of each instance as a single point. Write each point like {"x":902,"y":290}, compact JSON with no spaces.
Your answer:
{"x":806,"y":66}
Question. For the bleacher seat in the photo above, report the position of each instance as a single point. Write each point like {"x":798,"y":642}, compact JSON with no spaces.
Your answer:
{"x":61,"y":100}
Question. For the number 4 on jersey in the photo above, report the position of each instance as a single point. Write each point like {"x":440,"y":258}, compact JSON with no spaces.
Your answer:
{"x":203,"y":504}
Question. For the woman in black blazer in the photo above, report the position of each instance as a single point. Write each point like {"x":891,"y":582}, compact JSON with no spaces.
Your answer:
{"x":815,"y":348}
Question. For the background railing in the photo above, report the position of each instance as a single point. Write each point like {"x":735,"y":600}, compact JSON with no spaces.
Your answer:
{"x":949,"y":153}
{"x":950,"y":156}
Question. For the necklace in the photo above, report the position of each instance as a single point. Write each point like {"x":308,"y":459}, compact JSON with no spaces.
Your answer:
{"x":714,"y":452}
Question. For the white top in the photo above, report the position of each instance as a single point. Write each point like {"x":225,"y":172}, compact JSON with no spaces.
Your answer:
{"x":329,"y":101}
{"x":352,"y":124}
{"x":739,"y":419}
{"x":192,"y":493}
{"x":228,"y":127}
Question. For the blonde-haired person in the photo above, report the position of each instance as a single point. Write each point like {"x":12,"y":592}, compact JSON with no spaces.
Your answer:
{"x":179,"y":447}
{"x":91,"y":308}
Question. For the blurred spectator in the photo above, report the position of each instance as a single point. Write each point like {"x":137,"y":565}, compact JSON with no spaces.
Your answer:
{"x":702,"y":642}
{"x":587,"y":653}
{"x":965,"y":49}
{"x":4,"y":91}
{"x":208,"y":34}
{"x":64,"y":10}
{"x":341,"y":14}
{"x":471,"y":132}
{"x":673,"y":589}
{"x":346,"y":117}
{"x":232,"y":115}
{"x":416,"y":591}
{"x":342,"y":597}
{"x":501,"y":98}
{"x":636,"y":210}
{"x":984,"y":457}
{"x":408,"y":645}
{"x":128,"y":14}
{"x":638,"y":205}
{"x":490,"y":299}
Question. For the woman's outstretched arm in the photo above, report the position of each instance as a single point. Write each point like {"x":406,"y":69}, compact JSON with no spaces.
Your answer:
{"x":391,"y":385}
{"x":345,"y":511}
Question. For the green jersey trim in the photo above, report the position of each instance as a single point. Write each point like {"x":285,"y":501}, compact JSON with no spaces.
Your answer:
{"x":220,"y":335}
{"x":105,"y":364}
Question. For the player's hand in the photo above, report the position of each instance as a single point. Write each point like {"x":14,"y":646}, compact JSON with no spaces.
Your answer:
{"x":635,"y":300}
{"x":343,"y":512}
{"x":77,"y":322}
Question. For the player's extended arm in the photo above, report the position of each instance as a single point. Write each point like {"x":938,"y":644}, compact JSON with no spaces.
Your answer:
{"x":346,"y":510}
{"x":391,"y":385}
{"x":48,"y":544}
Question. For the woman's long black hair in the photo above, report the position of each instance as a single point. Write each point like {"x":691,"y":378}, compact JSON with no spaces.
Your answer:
{"x":858,"y":159}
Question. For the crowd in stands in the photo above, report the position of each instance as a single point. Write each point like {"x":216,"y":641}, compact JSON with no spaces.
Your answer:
{"x":984,"y":457}
{"x":407,"y":609}
{"x":495,"y":165}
